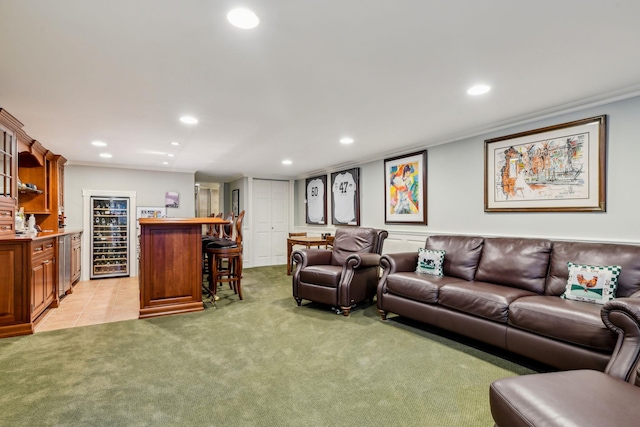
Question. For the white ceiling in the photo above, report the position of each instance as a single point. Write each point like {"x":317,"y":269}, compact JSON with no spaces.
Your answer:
{"x":392,"y":74}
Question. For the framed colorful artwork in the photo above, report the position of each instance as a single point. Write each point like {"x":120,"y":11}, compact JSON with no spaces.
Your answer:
{"x":558,"y":168}
{"x":345,"y":197}
{"x":405,"y":189}
{"x":315,"y":199}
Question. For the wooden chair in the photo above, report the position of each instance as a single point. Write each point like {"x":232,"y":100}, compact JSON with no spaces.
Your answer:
{"x":226,"y":230}
{"x":308,"y":246}
{"x":224,"y":258}
{"x":330,"y":240}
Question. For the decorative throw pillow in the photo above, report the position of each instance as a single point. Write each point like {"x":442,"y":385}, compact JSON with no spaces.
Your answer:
{"x":592,"y":283}
{"x":430,"y":261}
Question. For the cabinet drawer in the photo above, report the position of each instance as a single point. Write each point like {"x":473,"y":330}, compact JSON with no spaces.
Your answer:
{"x":43,"y":248}
{"x":6,"y":227}
{"x":76,"y":239}
{"x":7,"y":221}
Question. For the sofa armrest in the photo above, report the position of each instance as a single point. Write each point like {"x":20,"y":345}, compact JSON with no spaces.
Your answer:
{"x":622,"y":315}
{"x":399,"y":262}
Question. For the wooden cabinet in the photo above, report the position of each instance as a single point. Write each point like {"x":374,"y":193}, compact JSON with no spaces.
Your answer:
{"x":171,"y":265}
{"x":28,"y":282}
{"x":76,"y":257}
{"x":15,"y":306}
{"x":43,"y":275}
{"x":9,"y":127}
{"x":43,"y":268}
{"x":35,"y":169}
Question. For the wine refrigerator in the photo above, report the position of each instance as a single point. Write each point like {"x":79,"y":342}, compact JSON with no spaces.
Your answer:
{"x":110,"y":237}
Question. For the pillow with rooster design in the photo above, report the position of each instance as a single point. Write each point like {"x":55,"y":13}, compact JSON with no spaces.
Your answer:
{"x":592,"y":283}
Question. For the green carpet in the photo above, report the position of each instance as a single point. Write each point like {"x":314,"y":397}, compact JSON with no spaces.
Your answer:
{"x":263,"y":361}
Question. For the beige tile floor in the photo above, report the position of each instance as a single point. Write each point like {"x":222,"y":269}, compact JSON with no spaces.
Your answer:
{"x":93,"y":302}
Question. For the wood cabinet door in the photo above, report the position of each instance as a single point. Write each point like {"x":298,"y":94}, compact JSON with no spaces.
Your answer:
{"x":38,"y":294}
{"x":14,"y":303}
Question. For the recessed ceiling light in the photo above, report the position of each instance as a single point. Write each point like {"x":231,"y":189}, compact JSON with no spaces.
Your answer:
{"x":478,"y":89}
{"x":171,"y":155}
{"x":175,"y":143}
{"x":106,"y":155}
{"x":165,"y":163}
{"x":243,"y":18}
{"x":99,"y":143}
{"x":346,"y":140}
{"x":189,"y":120}
{"x":287,"y":162}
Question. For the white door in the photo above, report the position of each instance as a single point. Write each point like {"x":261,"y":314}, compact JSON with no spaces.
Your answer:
{"x":271,"y":222}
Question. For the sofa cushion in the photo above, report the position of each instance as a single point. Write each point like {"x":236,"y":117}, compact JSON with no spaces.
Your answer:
{"x":430,"y":261}
{"x":574,"y":322}
{"x":518,"y":263}
{"x":626,"y":256}
{"x":322,"y":275}
{"x":462,"y":254}
{"x":590,"y":283}
{"x":416,"y":286}
{"x":482,"y":299}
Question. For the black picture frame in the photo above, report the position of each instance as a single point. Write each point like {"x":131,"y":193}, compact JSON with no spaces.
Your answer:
{"x":315,"y":200}
{"x":405,"y":189}
{"x":345,"y":197}
{"x":235,"y":202}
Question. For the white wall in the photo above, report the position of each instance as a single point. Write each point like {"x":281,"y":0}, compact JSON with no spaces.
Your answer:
{"x":150,"y":188}
{"x":456,"y":190}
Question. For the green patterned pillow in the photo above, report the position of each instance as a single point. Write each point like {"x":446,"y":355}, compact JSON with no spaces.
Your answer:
{"x":430,"y":261}
{"x":592,"y":283}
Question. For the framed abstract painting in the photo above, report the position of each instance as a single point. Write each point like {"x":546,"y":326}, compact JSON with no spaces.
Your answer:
{"x":405,"y":189}
{"x":345,"y":197}
{"x":559,"y":168}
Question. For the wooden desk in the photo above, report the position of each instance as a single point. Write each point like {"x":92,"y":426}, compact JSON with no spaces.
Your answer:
{"x":305,"y":241}
{"x":171,"y":265}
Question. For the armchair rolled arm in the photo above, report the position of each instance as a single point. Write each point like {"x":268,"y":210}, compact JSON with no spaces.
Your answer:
{"x":364,"y":260}
{"x":622,"y":316}
{"x":305,"y":257}
{"x":399,"y":262}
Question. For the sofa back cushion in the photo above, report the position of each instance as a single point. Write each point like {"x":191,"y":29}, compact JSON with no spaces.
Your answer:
{"x":518,"y":263}
{"x":600,"y":254}
{"x":350,"y":240}
{"x":462,"y":254}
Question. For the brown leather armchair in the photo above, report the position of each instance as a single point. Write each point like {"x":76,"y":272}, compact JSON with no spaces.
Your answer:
{"x":344,"y":276}
{"x":581,"y":397}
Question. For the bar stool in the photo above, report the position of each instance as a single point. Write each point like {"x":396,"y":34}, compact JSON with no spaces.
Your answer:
{"x":224,"y":259}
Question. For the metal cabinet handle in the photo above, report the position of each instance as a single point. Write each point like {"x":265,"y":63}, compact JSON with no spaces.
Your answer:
{"x":5,"y":213}
{"x":50,"y":246}
{"x":38,"y":249}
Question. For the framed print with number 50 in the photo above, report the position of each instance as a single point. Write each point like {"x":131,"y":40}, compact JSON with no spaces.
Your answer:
{"x":315,"y":199}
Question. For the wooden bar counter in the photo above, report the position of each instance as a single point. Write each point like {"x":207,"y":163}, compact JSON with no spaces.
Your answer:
{"x":171,"y":265}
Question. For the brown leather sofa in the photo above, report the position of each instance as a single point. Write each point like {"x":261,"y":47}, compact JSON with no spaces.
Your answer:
{"x":580,"y":397}
{"x":506,"y":292}
{"x":344,"y":276}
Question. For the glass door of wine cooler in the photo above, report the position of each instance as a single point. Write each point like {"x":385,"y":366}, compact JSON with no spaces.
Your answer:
{"x":109,"y":237}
